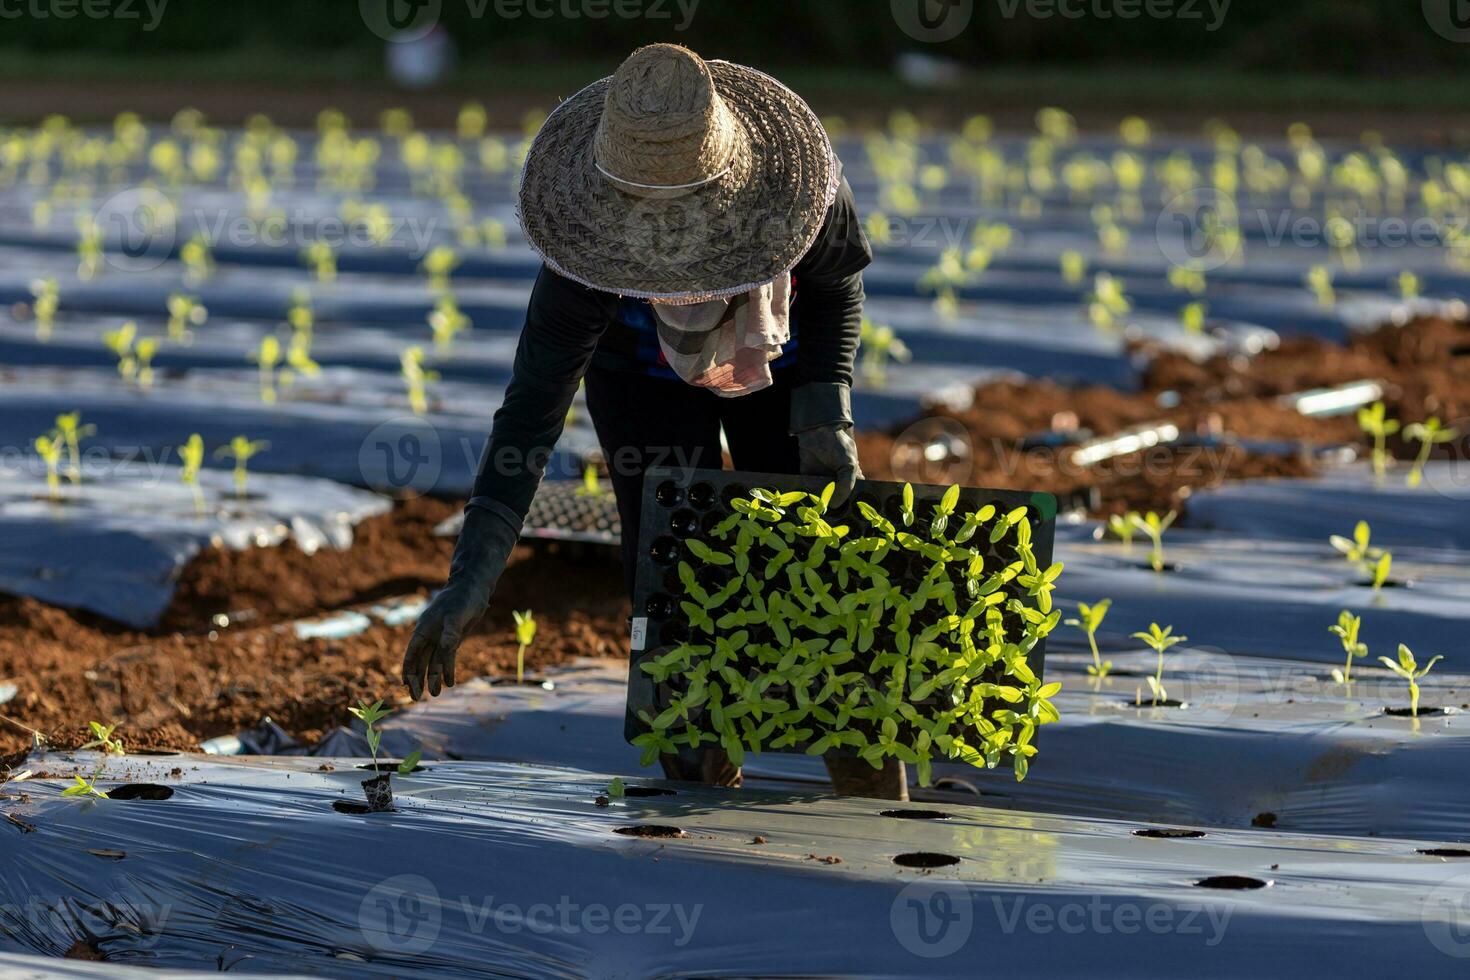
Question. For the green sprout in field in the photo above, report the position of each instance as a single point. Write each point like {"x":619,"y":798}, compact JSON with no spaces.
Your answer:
{"x":198,"y":259}
{"x":525,"y":634}
{"x":591,"y":482}
{"x":184,"y":313}
{"x":71,"y":431}
{"x":1380,"y":569}
{"x":1121,"y":527}
{"x":267,"y":356}
{"x":1107,"y":304}
{"x":120,"y":342}
{"x":49,"y":448}
{"x":447,"y":322}
{"x":879,"y":345}
{"x":943,"y":279}
{"x":89,"y":248}
{"x":1319,"y":281}
{"x":191,"y":453}
{"x":1089,"y":618}
{"x":1159,"y":640}
{"x":103,"y":739}
{"x":47,"y":299}
{"x":416,"y":378}
{"x":616,"y":789}
{"x":1408,"y":668}
{"x":322,"y":260}
{"x":1429,"y":433}
{"x":1193,"y":316}
{"x":1187,"y":280}
{"x":241,"y":450}
{"x":1346,"y":631}
{"x":1408,"y":286}
{"x":370,"y":715}
{"x":1154,"y":526}
{"x":1074,"y":267}
{"x":438,"y":265}
{"x":1359,"y":551}
{"x":1374,"y":421}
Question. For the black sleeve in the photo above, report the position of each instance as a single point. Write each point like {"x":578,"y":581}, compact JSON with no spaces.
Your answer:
{"x":564,"y":321}
{"x":828,"y":306}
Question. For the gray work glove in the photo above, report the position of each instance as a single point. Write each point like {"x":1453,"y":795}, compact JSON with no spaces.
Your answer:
{"x":485,"y":543}
{"x":821,"y":420}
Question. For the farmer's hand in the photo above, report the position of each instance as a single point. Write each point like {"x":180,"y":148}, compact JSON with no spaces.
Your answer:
{"x":485,"y":544}
{"x":821,"y":420}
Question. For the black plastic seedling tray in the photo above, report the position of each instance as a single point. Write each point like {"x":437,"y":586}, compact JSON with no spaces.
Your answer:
{"x":679,"y":504}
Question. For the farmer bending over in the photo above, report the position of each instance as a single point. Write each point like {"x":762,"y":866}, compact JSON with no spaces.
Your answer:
{"x":702,"y":261}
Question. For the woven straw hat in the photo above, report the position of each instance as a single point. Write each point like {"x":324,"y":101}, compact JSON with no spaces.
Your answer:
{"x":677,"y":179}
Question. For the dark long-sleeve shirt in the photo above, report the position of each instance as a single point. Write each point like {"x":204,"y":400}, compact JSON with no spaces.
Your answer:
{"x":567,"y":323}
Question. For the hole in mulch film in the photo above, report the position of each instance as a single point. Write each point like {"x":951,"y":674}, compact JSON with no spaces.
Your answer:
{"x":354,"y":806}
{"x":1445,"y":852}
{"x":648,"y":791}
{"x":388,"y":767}
{"x":915,"y":814}
{"x":925,"y":859}
{"x":1168,"y":833}
{"x":657,"y":830}
{"x":140,"y":791}
{"x":1165,"y":703}
{"x":1409,"y":712}
{"x":1232,"y":882}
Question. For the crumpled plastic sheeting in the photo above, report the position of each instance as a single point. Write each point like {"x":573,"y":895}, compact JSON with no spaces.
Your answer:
{"x":1432,"y":515}
{"x":354,"y":427}
{"x":495,"y":870}
{"x":115,"y":543}
{"x":1259,"y":736}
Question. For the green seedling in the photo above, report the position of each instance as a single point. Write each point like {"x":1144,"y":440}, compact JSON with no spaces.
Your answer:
{"x":370,"y":715}
{"x":184,"y":313}
{"x":1409,"y":286}
{"x":1089,"y":618}
{"x":267,"y":356}
{"x":1159,"y":640}
{"x":525,"y":634}
{"x":1319,"y":281}
{"x":616,"y":789}
{"x":410,"y":763}
{"x":241,"y":450}
{"x":1074,"y":268}
{"x":104,"y":740}
{"x":71,"y":431}
{"x":1187,"y":280}
{"x":417,"y":378}
{"x":1107,"y":303}
{"x":1380,"y":570}
{"x":322,"y":260}
{"x":85,"y":786}
{"x":1408,"y":668}
{"x":1429,"y":433}
{"x":89,"y":248}
{"x":447,"y":322}
{"x":198,"y":258}
{"x":191,"y":453}
{"x":50,"y":449}
{"x":46,"y":300}
{"x":1374,"y":421}
{"x":1121,"y":527}
{"x":1154,"y":526}
{"x":591,"y":482}
{"x":880,"y":345}
{"x":1192,"y":317}
{"x":120,"y":342}
{"x":1359,"y":550}
{"x":1346,"y":631}
{"x":143,"y":351}
{"x":437,"y":265}
{"x":943,"y":278}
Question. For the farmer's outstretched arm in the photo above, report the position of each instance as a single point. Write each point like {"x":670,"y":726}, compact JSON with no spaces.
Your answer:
{"x":563,"y":324}
{"x":829,"y":302}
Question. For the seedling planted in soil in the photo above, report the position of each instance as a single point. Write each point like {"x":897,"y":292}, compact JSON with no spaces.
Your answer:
{"x":379,"y":789}
{"x":241,"y":450}
{"x":1089,"y":618}
{"x":1154,"y":526}
{"x":71,"y":431}
{"x":192,"y":455}
{"x":525,"y":634}
{"x":1408,"y":668}
{"x":1429,"y":433}
{"x":86,"y":786}
{"x":1373,"y":420}
{"x":1160,"y":640}
{"x":1346,"y":631}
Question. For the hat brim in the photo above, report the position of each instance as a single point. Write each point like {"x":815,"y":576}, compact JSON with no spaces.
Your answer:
{"x":724,"y":237}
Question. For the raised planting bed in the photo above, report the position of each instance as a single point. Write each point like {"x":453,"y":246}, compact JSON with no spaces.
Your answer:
{"x":909,"y":623}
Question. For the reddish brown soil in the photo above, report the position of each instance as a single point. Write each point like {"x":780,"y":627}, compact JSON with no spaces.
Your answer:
{"x":1424,"y":365}
{"x":190,"y":681}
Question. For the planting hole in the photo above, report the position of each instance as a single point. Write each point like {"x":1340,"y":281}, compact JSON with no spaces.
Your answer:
{"x":684,"y":523}
{"x":665,"y":550}
{"x":659,"y":606}
{"x":702,"y":495}
{"x":1232,"y":882}
{"x":1265,"y":819}
{"x":388,"y":767}
{"x":648,"y":791}
{"x":669,"y":494}
{"x":1424,"y":712}
{"x":1392,"y":583}
{"x":916,"y":814}
{"x":925,"y":859}
{"x":658,"y":830}
{"x":1166,"y":703}
{"x":140,"y":791}
{"x":353,"y":807}
{"x":1444,"y":852}
{"x":732,"y":492}
{"x":1169,"y":833}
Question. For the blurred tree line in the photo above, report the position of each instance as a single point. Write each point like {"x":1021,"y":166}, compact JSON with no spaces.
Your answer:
{"x":1351,"y":36}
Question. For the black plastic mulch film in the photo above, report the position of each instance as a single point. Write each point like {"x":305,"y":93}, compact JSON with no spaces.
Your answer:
{"x":684,"y":504}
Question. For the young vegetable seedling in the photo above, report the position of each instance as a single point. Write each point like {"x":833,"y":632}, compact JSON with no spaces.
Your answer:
{"x":1346,"y":631}
{"x":1429,"y":433}
{"x":1089,"y":618}
{"x":69,"y":427}
{"x":1160,"y":640}
{"x":417,"y":378}
{"x":1373,"y":420}
{"x":267,"y":356}
{"x":591,"y":482}
{"x":47,"y":298}
{"x":1121,"y":526}
{"x":437,"y":265}
{"x":1408,"y":668}
{"x":447,"y":322}
{"x":184,"y":312}
{"x":86,"y":786}
{"x":241,"y":450}
{"x":379,"y":789}
{"x":1154,"y":526}
{"x":1358,"y":550}
{"x":49,"y":449}
{"x":525,"y":634}
{"x":191,"y":453}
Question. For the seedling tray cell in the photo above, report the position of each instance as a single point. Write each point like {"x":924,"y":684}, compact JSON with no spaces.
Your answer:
{"x":775,"y":626}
